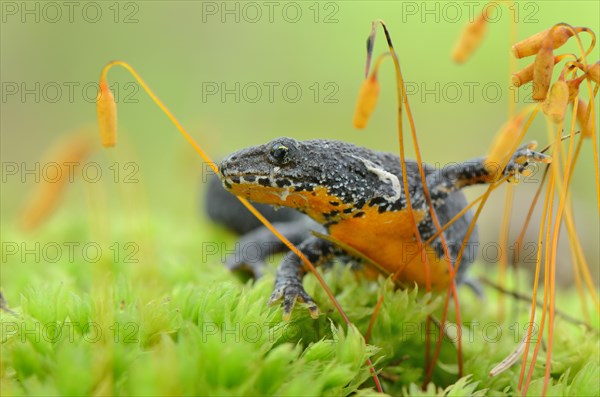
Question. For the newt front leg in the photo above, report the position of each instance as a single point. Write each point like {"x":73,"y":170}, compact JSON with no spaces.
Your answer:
{"x":288,"y":283}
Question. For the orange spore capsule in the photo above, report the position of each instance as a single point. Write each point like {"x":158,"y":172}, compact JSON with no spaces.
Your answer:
{"x":65,"y":158}
{"x":594,"y":72}
{"x":525,"y":75}
{"x":573,"y":85}
{"x":585,"y":122}
{"x":555,"y":106}
{"x":470,"y":39}
{"x":503,"y":142}
{"x":542,"y":69}
{"x":107,"y":115}
{"x":367,"y":100}
{"x":532,"y":45}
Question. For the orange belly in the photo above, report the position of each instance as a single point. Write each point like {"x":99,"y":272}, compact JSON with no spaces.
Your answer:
{"x":388,"y":239}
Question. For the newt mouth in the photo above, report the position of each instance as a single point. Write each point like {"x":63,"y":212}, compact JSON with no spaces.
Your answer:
{"x":262,"y":181}
{"x":247,"y":179}
{"x":231,"y":176}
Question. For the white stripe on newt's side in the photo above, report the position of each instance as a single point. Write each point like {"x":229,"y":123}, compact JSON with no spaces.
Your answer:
{"x":386,"y":177}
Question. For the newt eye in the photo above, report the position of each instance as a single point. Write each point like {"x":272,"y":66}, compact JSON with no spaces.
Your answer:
{"x":280,"y":153}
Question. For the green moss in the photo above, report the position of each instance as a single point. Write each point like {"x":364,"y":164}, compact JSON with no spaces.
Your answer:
{"x":188,"y":327}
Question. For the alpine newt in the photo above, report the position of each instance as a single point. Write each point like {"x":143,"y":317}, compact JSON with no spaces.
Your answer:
{"x":357,"y":195}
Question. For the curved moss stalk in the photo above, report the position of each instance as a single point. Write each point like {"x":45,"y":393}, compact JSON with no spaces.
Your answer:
{"x":245,"y":202}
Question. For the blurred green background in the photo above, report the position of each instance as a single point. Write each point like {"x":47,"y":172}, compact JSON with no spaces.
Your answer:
{"x":184,"y":48}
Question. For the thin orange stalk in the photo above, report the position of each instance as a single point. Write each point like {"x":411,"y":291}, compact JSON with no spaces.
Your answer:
{"x":563,"y":200}
{"x":592,"y":113}
{"x":486,"y":195}
{"x":433,"y":237}
{"x":548,"y":229}
{"x":378,"y":306}
{"x":402,"y":98}
{"x":245,"y":202}
{"x":399,"y":96}
{"x":578,"y":259}
{"x":352,"y":251}
{"x":554,"y":246}
{"x":562,"y":189}
{"x":436,"y":222}
{"x":65,"y":157}
{"x":521,"y":236}
{"x":509,"y":194}
{"x":504,"y":232}
{"x":576,"y":31}
{"x":580,"y":264}
{"x":576,"y":271}
{"x":510,"y":360}
{"x":550,"y":259}
{"x":451,"y":271}
{"x":483,"y":198}
{"x":446,"y":226}
{"x":512,"y":62}
{"x":519,"y":241}
{"x":592,"y":96}
{"x":545,"y":213}
{"x":584,"y":265}
{"x":550,"y":252}
{"x":438,"y":346}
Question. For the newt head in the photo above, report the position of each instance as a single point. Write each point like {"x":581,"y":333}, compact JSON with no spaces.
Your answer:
{"x":325,"y":179}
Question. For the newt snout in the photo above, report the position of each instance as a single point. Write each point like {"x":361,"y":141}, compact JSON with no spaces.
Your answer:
{"x":256,"y":166}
